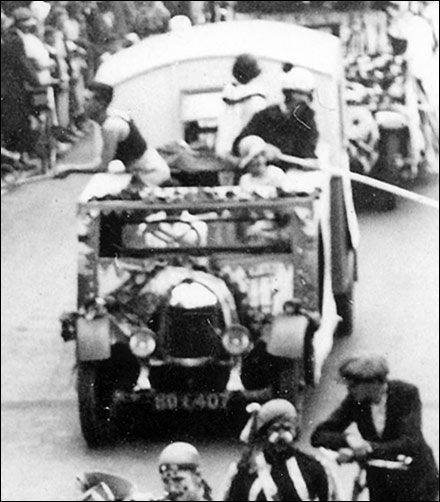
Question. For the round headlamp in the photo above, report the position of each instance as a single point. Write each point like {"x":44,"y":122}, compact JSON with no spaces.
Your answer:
{"x":143,"y":343}
{"x":236,"y":340}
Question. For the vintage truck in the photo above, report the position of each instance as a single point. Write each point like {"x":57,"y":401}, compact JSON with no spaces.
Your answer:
{"x":182,"y":295}
{"x":184,"y":292}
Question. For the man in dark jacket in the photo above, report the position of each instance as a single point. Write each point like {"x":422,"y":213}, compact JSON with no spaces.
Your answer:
{"x":291,"y":127}
{"x":273,"y":469}
{"x":18,"y":74}
{"x":388,"y":417}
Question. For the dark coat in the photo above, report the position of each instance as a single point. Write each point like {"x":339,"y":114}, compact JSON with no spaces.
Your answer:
{"x":17,"y":73}
{"x":295,"y":135}
{"x":312,"y":471}
{"x":402,"y":436}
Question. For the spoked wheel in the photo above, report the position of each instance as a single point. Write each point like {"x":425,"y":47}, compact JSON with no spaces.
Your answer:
{"x":95,"y":396}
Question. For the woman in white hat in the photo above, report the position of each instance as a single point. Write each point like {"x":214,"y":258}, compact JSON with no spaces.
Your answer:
{"x":253,"y":155}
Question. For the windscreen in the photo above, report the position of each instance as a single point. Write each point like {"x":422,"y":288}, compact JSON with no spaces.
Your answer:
{"x":232,"y":230}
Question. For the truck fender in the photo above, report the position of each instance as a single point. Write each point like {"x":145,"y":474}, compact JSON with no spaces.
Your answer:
{"x":287,"y":337}
{"x":93,"y":339}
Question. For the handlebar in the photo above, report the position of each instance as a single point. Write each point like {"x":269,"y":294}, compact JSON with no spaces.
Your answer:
{"x":345,"y":456}
{"x":401,"y":463}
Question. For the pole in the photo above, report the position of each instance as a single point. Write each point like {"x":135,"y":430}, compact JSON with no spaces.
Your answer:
{"x":312,"y":165}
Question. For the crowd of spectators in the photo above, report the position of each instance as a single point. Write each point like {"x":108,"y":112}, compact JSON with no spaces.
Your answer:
{"x":395,"y":88}
{"x":51,"y":52}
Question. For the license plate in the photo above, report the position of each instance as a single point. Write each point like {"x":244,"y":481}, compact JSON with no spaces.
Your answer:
{"x":190,"y":402}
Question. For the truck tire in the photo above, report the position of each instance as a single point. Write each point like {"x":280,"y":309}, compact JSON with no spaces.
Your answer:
{"x":95,"y":404}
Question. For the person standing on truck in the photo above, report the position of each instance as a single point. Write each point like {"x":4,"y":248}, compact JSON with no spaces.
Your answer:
{"x":242,"y":99}
{"x":388,"y":418}
{"x":258,"y":172}
{"x":289,"y":128}
{"x":122,"y":141}
{"x":273,"y":468}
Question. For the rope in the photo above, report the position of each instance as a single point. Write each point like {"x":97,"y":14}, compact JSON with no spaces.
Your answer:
{"x":372,"y":182}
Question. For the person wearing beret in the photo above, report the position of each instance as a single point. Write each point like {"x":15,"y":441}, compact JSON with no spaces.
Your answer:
{"x":273,"y":468}
{"x":388,"y":416}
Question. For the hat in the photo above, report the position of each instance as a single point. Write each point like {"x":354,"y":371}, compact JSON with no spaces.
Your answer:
{"x":263,"y":416}
{"x":298,"y":79}
{"x":6,"y":21}
{"x":245,"y":68}
{"x":180,"y":23}
{"x":365,"y":368}
{"x":102,"y":92}
{"x":249,"y":148}
{"x":23,"y":15}
{"x":356,"y":93}
{"x":179,"y":455}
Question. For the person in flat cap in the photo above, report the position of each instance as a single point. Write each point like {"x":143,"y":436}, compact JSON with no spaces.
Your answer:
{"x":387,"y":414}
{"x":179,"y":467}
{"x":272,"y":468}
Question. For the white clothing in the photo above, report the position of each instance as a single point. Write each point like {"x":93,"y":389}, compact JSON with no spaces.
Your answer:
{"x":39,"y":55}
{"x":379,"y":414}
{"x":266,"y":485}
{"x":240,"y":103}
{"x":274,"y":176}
{"x":40,"y":10}
{"x":152,"y":168}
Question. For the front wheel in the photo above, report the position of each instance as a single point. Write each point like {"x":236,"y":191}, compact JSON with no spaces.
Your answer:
{"x":95,"y":396}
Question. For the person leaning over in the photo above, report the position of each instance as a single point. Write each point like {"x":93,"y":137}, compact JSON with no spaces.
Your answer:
{"x":273,"y":468}
{"x":388,"y":417}
{"x":122,"y":140}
